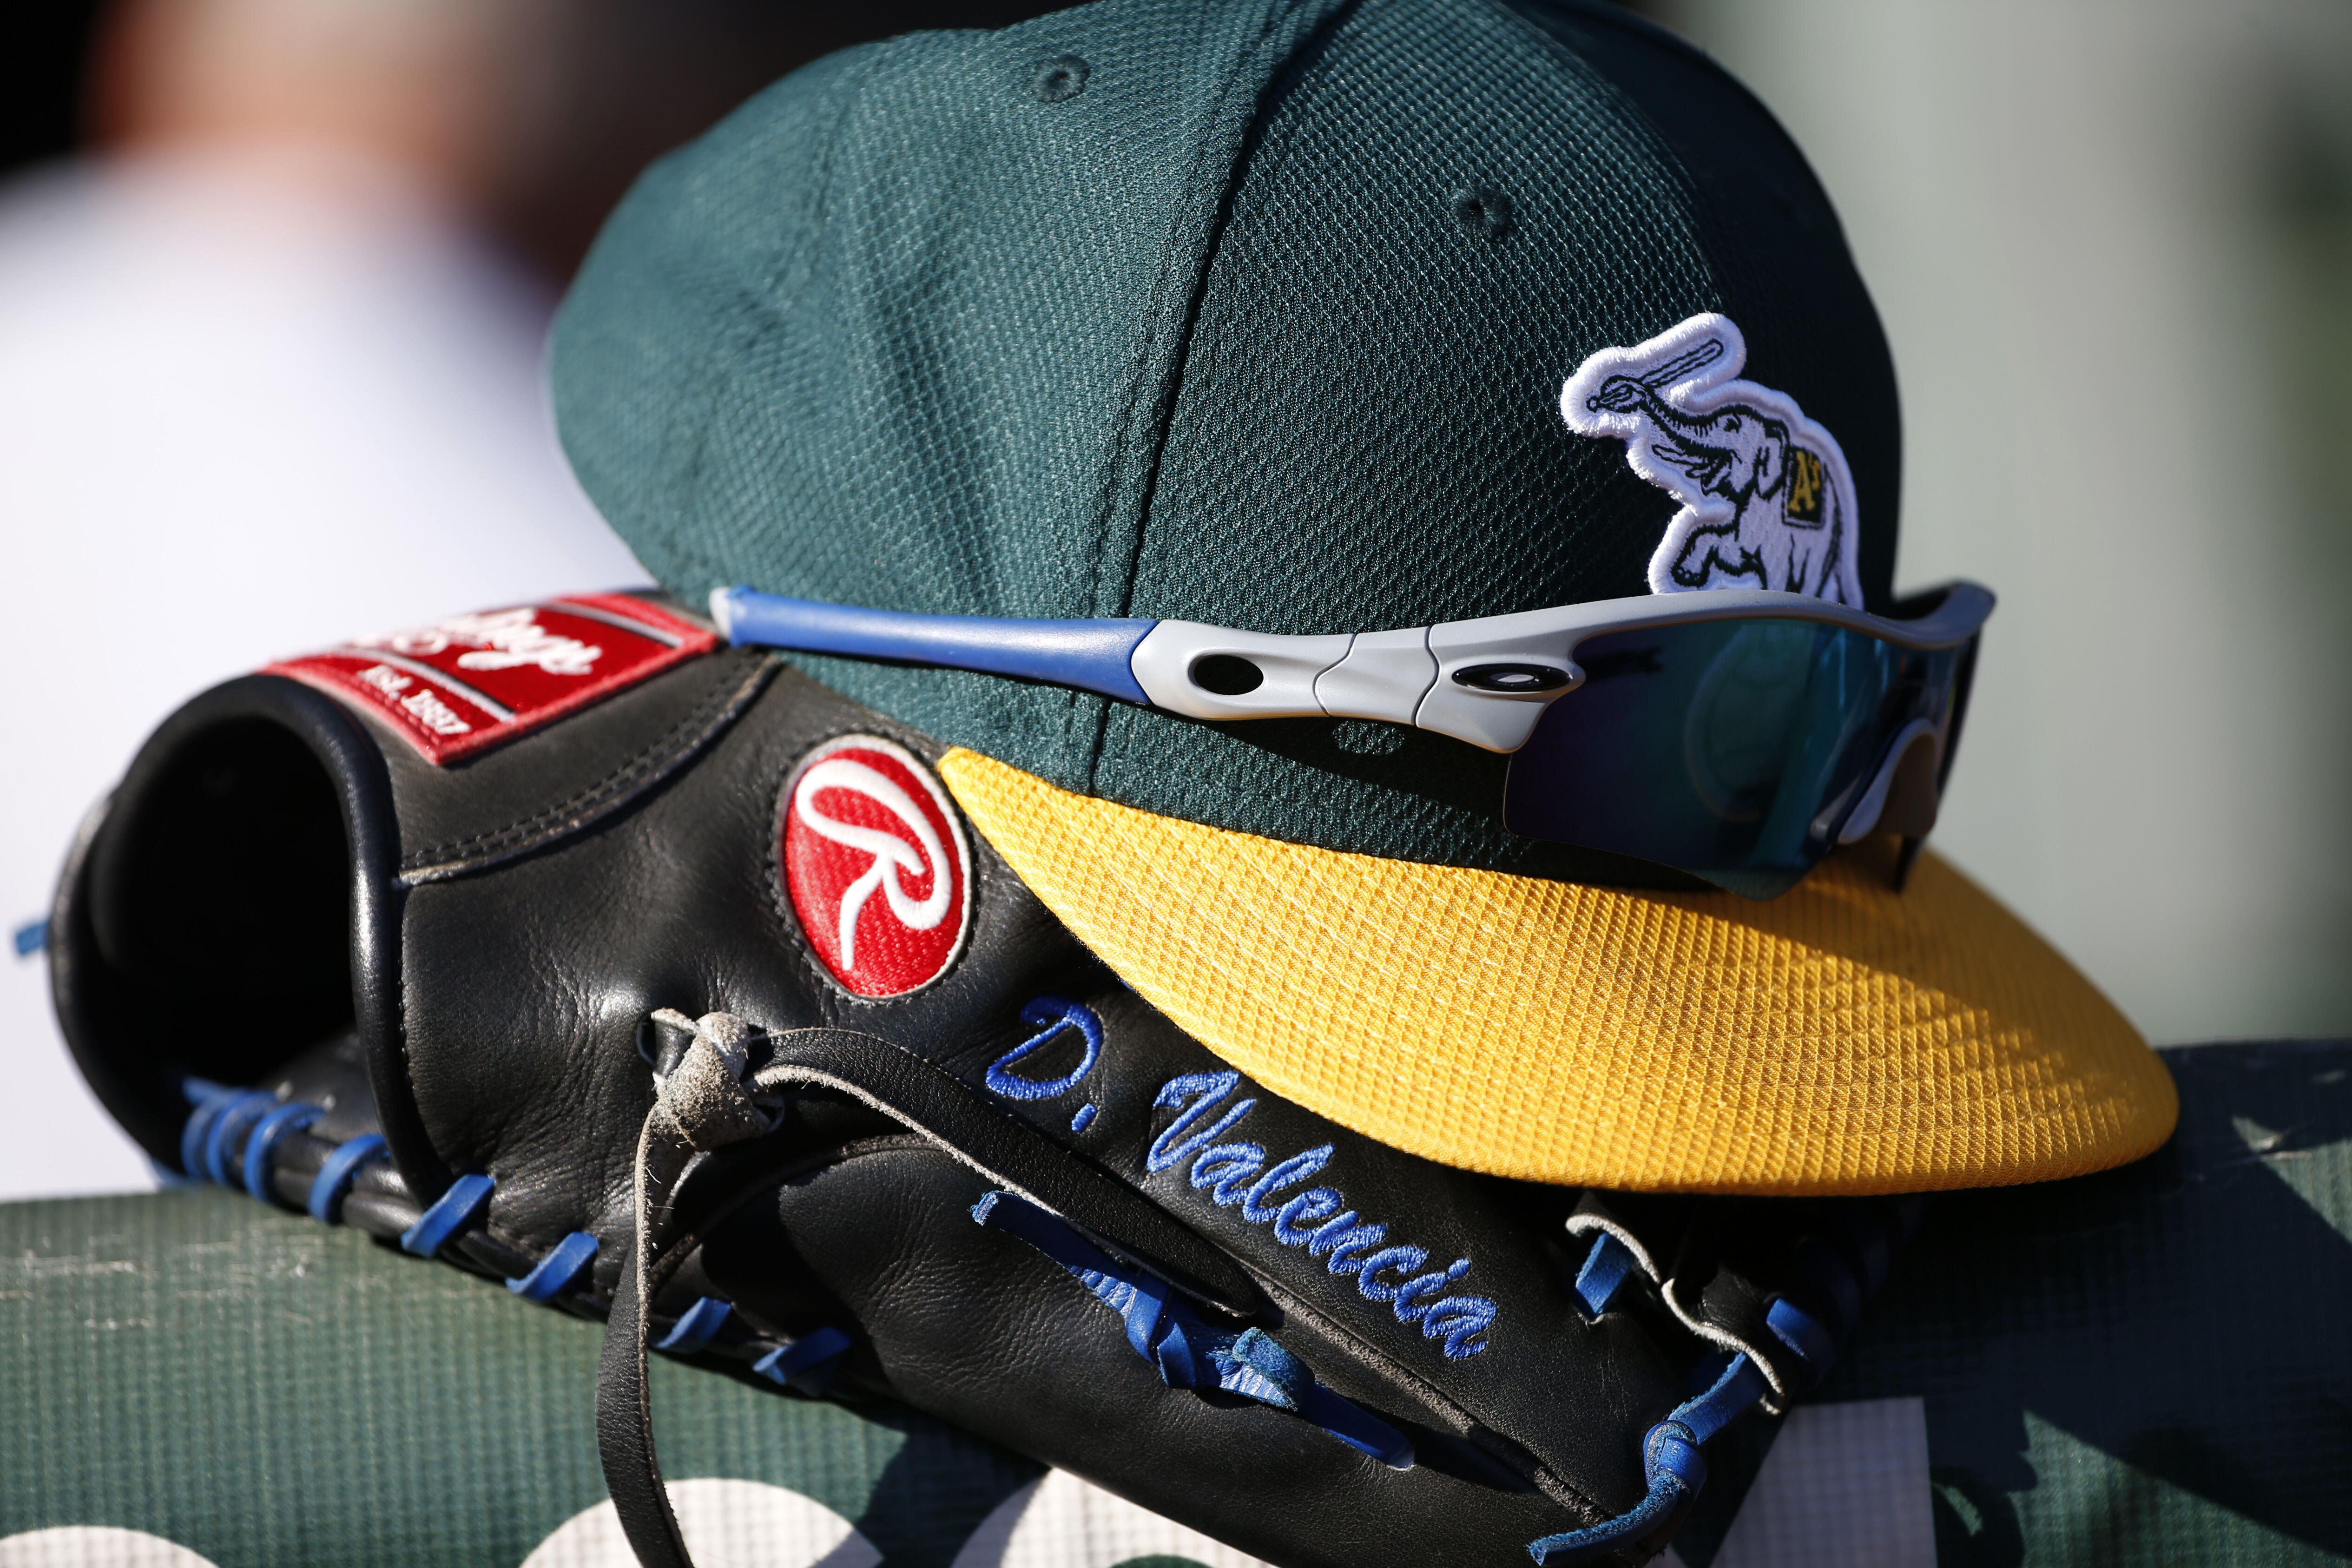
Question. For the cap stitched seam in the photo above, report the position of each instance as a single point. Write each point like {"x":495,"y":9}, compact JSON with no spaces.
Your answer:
{"x":1157,"y":372}
{"x":763,"y":308}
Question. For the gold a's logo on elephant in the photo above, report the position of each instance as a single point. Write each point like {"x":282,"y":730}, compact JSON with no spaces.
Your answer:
{"x":1767,"y":501}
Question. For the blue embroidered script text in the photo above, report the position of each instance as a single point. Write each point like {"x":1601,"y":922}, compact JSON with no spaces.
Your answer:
{"x":1317,"y":1219}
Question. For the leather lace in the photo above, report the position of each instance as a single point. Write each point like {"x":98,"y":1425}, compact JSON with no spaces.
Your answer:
{"x":716,"y":1097}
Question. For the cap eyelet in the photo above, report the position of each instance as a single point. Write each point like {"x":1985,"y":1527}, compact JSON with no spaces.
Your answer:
{"x":1484,"y":211}
{"x":1059,"y":79}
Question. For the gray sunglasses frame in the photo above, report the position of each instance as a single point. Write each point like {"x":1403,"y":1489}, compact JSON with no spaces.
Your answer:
{"x":1484,"y":681}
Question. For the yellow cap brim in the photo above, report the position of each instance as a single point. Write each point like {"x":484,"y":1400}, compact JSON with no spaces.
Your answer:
{"x":1844,"y":1038}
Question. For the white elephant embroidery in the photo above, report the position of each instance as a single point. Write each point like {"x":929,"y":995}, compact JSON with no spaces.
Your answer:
{"x":1768,"y":502}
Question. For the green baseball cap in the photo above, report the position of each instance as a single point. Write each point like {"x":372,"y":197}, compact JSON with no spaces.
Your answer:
{"x":1258,"y":313}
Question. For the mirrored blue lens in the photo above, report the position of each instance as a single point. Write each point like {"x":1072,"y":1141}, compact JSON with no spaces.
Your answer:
{"x":1732,"y":750}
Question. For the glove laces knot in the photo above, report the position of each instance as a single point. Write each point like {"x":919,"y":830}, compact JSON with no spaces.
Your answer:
{"x":704,"y":1093}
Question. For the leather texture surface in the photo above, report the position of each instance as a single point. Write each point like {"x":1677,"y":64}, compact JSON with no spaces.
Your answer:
{"x":509,"y":924}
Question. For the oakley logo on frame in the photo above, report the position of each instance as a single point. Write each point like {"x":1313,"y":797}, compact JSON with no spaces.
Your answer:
{"x":1767,"y":501}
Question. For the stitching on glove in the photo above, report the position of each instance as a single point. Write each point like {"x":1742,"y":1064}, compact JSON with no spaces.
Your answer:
{"x":261,"y":1145}
{"x":1591,"y":1217}
{"x":1057,"y":1013}
{"x":964,"y":1122}
{"x":563,"y":1264}
{"x":450,"y":1213}
{"x":1693,"y":1318}
{"x":233,"y":1116}
{"x":339,"y":1168}
{"x":255,"y":1169}
{"x":807,"y":1364}
{"x":655,"y":760}
{"x":1796,"y":1329}
{"x":1606,"y":1267}
{"x":334,"y":1183}
{"x":698,"y":1101}
{"x":1672,"y":1463}
{"x":1172,"y":1145}
{"x":1231,"y":1174}
{"x":1188,"y":1353}
{"x":695,"y":1326}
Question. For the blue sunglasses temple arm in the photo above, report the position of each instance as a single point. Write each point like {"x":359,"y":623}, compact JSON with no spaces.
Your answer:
{"x":1485,"y":682}
{"x":1092,"y":654}
{"x":1153,"y":664}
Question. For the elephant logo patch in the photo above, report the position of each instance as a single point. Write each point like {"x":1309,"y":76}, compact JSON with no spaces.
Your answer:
{"x":1767,"y":501}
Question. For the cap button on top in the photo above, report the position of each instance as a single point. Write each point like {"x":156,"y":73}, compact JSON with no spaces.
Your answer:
{"x":1482,"y":210}
{"x":1059,"y":79}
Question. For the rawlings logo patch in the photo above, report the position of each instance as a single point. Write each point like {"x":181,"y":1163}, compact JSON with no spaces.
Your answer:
{"x":863,"y":817}
{"x":457,"y":685}
{"x":1767,"y":500}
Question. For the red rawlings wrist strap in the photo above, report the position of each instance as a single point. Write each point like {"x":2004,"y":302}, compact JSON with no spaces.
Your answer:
{"x":458,"y":686}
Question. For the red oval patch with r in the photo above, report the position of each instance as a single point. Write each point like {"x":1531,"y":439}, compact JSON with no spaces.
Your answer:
{"x":876,"y":866}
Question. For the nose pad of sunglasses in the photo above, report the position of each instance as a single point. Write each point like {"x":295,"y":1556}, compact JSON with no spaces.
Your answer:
{"x":1903,"y":798}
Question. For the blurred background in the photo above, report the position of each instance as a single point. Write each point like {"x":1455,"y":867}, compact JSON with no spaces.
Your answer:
{"x":2112,"y":244}
{"x":275,"y":278}
{"x":274,"y":283}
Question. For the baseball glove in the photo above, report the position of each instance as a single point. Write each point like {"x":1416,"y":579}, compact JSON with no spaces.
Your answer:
{"x":674,"y":990}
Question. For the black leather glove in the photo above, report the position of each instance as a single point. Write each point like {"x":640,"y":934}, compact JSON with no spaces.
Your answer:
{"x":546,"y":1011}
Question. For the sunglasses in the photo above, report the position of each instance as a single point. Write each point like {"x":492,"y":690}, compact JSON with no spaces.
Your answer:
{"x":1736,"y":735}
